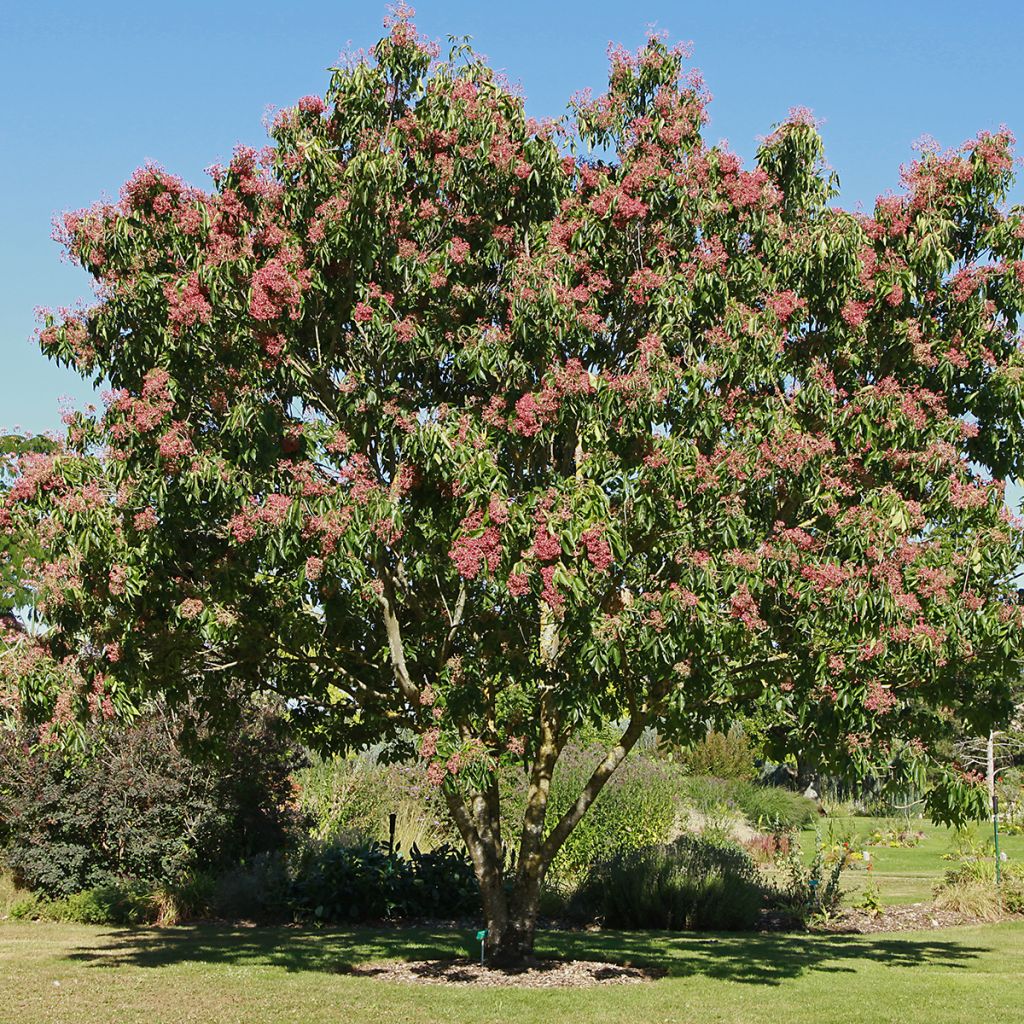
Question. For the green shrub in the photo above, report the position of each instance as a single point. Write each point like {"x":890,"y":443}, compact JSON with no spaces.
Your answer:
{"x":105,"y":904}
{"x":27,"y":907}
{"x":769,"y":808}
{"x":337,"y":883}
{"x":257,"y":889}
{"x":137,"y":806}
{"x":637,"y":808}
{"x":774,"y":808}
{"x":688,"y":884}
{"x":970,"y":888}
{"x":812,"y":891}
{"x":722,"y":755}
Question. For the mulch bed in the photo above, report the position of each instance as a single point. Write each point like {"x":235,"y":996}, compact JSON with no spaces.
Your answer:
{"x":896,"y":918}
{"x":537,"y":974}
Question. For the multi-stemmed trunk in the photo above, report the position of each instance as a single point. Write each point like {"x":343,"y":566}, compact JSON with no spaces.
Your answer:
{"x":510,"y":887}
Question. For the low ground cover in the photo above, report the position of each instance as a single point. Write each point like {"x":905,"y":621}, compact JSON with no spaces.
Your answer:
{"x":56,"y":972}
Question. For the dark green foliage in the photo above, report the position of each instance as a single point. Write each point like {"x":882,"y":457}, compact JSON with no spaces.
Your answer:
{"x":137,"y":808}
{"x":257,"y":889}
{"x":365,"y":883}
{"x":689,"y":884}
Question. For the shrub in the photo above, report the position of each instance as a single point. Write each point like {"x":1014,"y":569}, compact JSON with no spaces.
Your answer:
{"x":770,"y":808}
{"x":812,"y":891}
{"x":137,"y":806}
{"x":722,"y":755}
{"x":104,"y":904}
{"x":337,"y":883}
{"x":688,"y":884}
{"x":257,"y":889}
{"x":637,"y":808}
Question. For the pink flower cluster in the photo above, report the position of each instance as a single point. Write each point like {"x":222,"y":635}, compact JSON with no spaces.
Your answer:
{"x":277,"y":287}
{"x":599,"y":552}
{"x":471,"y":551}
{"x":533,"y":411}
{"x":312,"y":105}
{"x":546,"y":546}
{"x":879,"y":698}
{"x":188,"y":306}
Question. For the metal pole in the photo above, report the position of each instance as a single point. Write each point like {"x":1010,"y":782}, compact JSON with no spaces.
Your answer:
{"x":392,"y":818}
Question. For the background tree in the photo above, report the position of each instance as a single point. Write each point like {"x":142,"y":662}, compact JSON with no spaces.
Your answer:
{"x":443,"y":430}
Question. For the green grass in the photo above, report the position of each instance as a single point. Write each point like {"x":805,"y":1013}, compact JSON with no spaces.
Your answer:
{"x":903,"y":875}
{"x":60,"y":973}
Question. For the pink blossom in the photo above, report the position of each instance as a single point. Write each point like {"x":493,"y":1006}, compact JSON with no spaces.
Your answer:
{"x":879,"y":699}
{"x":855,"y":312}
{"x":472,"y":552}
{"x":785,"y":304}
{"x":599,"y":552}
{"x":191,"y":608}
{"x":742,"y":606}
{"x":187,"y":307}
{"x":546,"y":546}
{"x":312,"y":105}
{"x":314,"y":567}
{"x":241,"y":528}
{"x":277,"y":287}
{"x":518,"y":584}
{"x":428,"y":745}
{"x":118,"y":576}
{"x":549,"y":593}
{"x":145,"y":520}
{"x":533,"y":411}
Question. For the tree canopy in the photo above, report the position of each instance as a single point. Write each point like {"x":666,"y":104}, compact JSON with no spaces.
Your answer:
{"x":461,"y":431}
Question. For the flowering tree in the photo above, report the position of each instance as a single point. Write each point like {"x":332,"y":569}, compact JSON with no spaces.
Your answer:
{"x":460,"y":440}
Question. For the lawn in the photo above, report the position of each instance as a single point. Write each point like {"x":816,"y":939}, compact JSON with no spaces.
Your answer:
{"x":902,"y":875}
{"x":87,"y":975}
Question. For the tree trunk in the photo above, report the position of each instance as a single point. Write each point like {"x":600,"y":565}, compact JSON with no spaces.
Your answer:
{"x":511,"y":905}
{"x":510,"y":916}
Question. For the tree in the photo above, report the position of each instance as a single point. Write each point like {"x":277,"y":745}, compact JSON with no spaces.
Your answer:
{"x":460,"y":439}
{"x":16,"y":451}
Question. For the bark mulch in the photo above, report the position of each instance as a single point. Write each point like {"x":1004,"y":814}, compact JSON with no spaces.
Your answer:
{"x":896,"y":918}
{"x":536,"y":974}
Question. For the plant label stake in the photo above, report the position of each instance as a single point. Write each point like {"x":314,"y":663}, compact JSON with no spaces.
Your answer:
{"x":392,"y":818}
{"x":482,"y":939}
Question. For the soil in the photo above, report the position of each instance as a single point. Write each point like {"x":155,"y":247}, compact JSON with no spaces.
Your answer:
{"x":896,"y":918}
{"x":535,"y":974}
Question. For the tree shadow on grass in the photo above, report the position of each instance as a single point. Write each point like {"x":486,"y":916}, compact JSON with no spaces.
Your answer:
{"x":747,"y":958}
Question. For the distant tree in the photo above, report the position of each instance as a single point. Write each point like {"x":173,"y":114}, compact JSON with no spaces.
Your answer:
{"x":442,"y":429}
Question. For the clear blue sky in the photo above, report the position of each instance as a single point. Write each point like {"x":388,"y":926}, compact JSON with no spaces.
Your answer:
{"x":93,"y":89}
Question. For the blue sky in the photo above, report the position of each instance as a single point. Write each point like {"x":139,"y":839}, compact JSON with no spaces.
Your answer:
{"x":92,"y":90}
